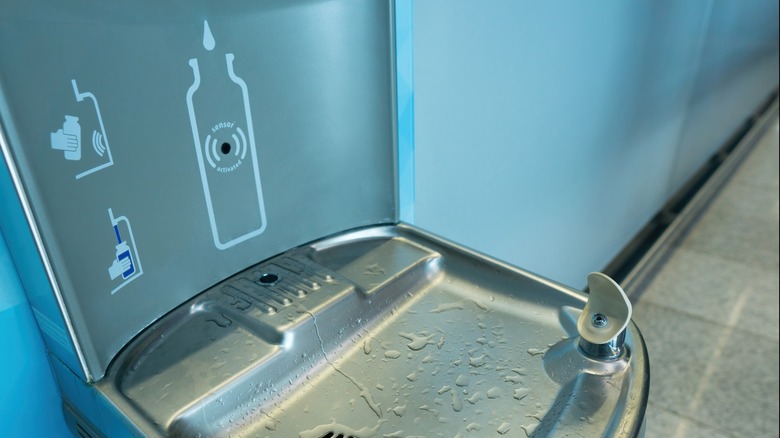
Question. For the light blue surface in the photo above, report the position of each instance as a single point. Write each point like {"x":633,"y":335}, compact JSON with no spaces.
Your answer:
{"x":29,"y":400}
{"x":547,"y":134}
{"x":11,"y":292}
{"x":404,"y":47}
{"x":739,"y":60}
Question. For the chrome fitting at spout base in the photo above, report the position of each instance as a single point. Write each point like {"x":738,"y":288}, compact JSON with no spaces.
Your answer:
{"x":611,"y":350}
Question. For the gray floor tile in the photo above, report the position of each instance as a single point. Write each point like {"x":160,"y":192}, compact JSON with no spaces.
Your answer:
{"x":727,"y":234}
{"x":761,"y":308}
{"x":702,"y":285}
{"x":678,"y":345}
{"x":713,"y":375}
{"x":741,"y":392}
{"x":662,"y":423}
{"x":760,"y":168}
{"x":722,"y":291}
{"x":747,"y":201}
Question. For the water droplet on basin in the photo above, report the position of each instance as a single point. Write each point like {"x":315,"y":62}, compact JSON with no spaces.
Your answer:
{"x":521,"y":393}
{"x":494,"y":392}
{"x":504,"y":428}
{"x":399,"y":411}
{"x":477,"y":396}
{"x":528,"y":429}
{"x":477,"y":361}
{"x":513,"y":378}
{"x":392,"y":354}
{"x":374,"y":269}
{"x":457,"y":402}
{"x":418,"y":341}
{"x":448,"y":306}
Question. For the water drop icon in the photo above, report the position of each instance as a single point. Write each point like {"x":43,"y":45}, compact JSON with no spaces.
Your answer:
{"x":208,"y":38}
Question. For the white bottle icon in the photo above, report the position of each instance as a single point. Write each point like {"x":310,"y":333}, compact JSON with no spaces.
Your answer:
{"x":221,"y":121}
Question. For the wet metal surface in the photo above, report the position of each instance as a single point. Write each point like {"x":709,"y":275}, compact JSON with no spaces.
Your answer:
{"x":384,"y":332}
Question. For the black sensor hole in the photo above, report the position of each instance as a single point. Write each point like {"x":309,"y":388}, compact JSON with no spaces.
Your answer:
{"x":268,"y":278}
{"x":225,"y":148}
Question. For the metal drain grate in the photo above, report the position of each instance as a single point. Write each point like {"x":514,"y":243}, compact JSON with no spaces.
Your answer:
{"x":276,"y":285}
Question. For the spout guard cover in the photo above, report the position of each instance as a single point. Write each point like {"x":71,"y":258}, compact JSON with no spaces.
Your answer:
{"x":608,"y":299}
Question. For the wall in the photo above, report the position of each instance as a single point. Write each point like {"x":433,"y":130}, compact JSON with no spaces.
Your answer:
{"x":547,"y":134}
{"x":738,"y":64}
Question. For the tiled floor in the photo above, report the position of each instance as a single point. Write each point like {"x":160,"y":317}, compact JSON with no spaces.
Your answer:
{"x":709,"y":314}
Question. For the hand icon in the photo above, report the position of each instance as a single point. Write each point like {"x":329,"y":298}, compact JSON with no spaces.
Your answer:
{"x":64,"y":142}
{"x":68,"y":138}
{"x":118,"y":267}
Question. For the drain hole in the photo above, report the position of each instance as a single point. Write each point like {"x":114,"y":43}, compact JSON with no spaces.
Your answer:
{"x":269,"y":278}
{"x":335,"y":435}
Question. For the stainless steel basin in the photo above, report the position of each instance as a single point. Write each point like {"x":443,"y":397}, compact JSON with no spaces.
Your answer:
{"x":385,"y":332}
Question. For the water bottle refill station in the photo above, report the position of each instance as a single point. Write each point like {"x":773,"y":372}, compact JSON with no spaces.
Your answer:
{"x":205,"y":211}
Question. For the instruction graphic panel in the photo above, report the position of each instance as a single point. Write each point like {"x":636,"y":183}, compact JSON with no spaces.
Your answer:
{"x":221,"y":120}
{"x":125,"y":265}
{"x":82,"y":137}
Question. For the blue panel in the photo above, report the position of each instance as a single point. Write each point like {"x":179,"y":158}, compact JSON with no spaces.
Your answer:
{"x":30,"y":404}
{"x":546,"y":133}
{"x":92,"y":404}
{"x":404,"y":88}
